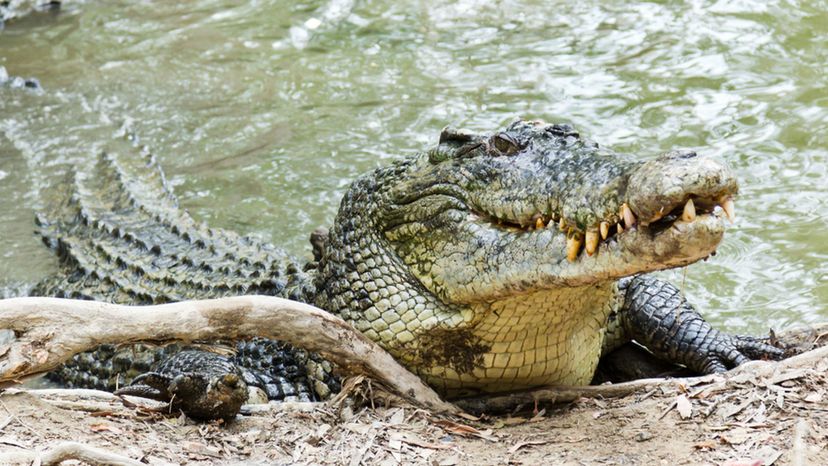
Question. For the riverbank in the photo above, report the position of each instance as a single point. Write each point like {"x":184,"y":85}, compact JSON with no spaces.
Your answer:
{"x":770,"y":414}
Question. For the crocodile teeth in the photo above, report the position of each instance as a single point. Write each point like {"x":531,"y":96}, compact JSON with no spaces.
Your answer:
{"x":573,"y":246}
{"x":604,"y":230}
{"x":562,"y":224}
{"x":628,"y":215}
{"x":620,"y":228}
{"x":730,"y":209}
{"x":539,"y":223}
{"x":591,"y":242}
{"x":689,"y":213}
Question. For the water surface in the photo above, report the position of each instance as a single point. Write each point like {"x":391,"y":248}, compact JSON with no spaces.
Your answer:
{"x":261,"y":114}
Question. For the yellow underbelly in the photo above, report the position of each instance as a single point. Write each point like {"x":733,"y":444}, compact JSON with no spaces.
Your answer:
{"x":544,"y":338}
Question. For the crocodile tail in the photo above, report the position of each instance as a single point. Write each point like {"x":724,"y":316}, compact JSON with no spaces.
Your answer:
{"x":121,"y":237}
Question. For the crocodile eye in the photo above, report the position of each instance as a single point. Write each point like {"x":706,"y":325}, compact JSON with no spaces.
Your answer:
{"x":506,"y":144}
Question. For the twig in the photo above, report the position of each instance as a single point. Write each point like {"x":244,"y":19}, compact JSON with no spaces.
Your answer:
{"x":50,"y":330}
{"x":69,"y":451}
{"x":17,"y":418}
{"x":282,"y":407}
{"x":799,"y":451}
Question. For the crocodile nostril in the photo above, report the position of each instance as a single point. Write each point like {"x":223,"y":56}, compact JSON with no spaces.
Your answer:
{"x":686,"y":154}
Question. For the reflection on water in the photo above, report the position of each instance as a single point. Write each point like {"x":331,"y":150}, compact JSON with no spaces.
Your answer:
{"x":262,"y":113}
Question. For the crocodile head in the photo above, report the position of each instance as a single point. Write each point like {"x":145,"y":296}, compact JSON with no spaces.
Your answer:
{"x":535,"y":206}
{"x":489,"y":241}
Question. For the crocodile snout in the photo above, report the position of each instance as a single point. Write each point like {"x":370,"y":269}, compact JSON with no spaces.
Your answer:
{"x":681,"y":183}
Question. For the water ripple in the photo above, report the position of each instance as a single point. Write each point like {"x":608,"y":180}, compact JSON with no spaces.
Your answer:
{"x":262,"y":112}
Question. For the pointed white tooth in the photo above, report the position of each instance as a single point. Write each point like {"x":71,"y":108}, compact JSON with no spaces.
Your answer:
{"x":730,"y":209}
{"x":689,"y":213}
{"x":620,"y":228}
{"x":573,"y":247}
{"x":627,"y":213}
{"x":591,"y":242}
{"x":604,"y":230}
{"x":539,"y":223}
{"x":562,"y":224}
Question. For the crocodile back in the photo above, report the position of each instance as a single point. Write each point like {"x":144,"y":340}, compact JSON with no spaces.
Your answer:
{"x":122,"y":238}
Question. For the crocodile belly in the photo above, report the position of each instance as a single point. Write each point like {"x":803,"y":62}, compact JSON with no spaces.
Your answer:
{"x":546,"y":338}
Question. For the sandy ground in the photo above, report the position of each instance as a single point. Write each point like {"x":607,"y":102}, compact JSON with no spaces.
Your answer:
{"x":741,"y":420}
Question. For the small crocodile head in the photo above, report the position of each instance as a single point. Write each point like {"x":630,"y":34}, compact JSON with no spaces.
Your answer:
{"x":535,"y":206}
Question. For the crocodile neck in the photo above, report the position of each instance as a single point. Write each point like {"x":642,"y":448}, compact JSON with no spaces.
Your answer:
{"x":362,"y":280}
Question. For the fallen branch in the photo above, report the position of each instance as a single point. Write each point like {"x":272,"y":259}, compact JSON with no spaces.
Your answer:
{"x":49,"y":331}
{"x":68,"y":451}
{"x":91,"y":401}
{"x":492,"y":404}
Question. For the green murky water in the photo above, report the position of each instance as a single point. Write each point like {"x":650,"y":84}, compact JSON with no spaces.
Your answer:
{"x":261,"y":114}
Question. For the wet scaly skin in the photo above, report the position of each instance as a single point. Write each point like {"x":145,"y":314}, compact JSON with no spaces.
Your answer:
{"x":202,"y":384}
{"x":488,"y":263}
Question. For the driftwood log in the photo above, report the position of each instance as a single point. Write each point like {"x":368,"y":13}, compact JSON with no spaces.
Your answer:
{"x":49,"y":331}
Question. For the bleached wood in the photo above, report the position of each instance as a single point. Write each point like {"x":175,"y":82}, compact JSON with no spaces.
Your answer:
{"x":68,"y":451}
{"x":49,"y":331}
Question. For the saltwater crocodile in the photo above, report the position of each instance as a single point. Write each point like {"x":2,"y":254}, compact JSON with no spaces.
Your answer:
{"x":488,"y":263}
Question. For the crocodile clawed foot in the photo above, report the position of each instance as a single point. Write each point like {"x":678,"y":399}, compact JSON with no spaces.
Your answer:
{"x":725,"y":352}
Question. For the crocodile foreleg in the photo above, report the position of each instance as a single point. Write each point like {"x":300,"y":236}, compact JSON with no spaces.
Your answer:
{"x":656,"y":315}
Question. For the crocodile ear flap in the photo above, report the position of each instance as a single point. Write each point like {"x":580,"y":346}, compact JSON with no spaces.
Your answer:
{"x":455,"y":143}
{"x":457,"y":136}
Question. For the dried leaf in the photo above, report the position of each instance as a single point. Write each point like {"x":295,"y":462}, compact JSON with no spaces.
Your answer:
{"x":322,"y":430}
{"x":200,"y":449}
{"x":464,"y":430}
{"x":706,"y":445}
{"x":768,"y":455}
{"x":358,"y":427}
{"x":41,"y":356}
{"x":734,"y":410}
{"x":789,"y":375}
{"x":397,"y":418}
{"x":509,"y":421}
{"x":394,"y":442}
{"x":104,"y":427}
{"x":643,"y":436}
{"x":538,"y":417}
{"x":412,"y":440}
{"x":683,"y":406}
{"x":525,"y":443}
{"x":735,"y":436}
